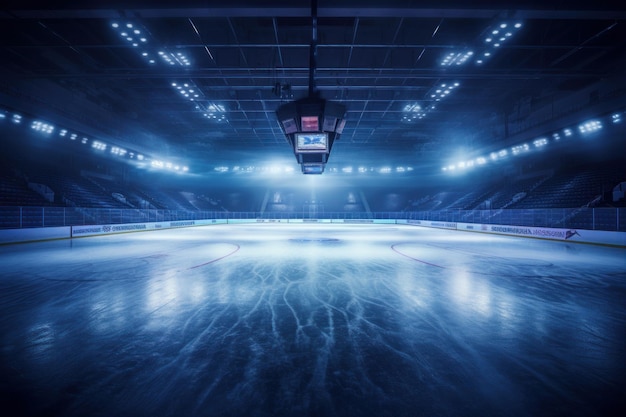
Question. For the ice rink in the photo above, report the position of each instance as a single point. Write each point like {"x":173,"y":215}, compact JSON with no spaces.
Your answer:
{"x":312,"y":320}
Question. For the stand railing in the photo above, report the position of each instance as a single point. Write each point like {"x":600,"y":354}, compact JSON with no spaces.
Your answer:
{"x":610,"y":219}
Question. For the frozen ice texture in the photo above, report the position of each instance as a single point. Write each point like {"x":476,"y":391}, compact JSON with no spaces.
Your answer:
{"x":312,"y":320}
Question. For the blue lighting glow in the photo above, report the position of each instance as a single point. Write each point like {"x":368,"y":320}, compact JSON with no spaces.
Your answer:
{"x":590,"y":126}
{"x":118,"y":151}
{"x":496,"y":38}
{"x":456,"y":58}
{"x":42,"y":127}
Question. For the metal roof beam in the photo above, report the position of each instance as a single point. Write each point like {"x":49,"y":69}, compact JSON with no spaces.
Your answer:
{"x":332,"y":12}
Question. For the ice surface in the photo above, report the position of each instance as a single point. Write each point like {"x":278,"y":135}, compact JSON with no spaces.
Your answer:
{"x":319,"y":320}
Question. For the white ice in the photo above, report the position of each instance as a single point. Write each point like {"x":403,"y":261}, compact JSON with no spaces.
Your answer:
{"x":296,"y":319}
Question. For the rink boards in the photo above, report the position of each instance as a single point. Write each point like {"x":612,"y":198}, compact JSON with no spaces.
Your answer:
{"x":562,"y":234}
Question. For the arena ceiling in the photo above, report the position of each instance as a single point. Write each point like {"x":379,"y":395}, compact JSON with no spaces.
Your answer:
{"x":200,"y":81}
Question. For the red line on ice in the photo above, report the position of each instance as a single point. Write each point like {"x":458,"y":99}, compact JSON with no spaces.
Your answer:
{"x":217,"y":259}
{"x":393,"y":248}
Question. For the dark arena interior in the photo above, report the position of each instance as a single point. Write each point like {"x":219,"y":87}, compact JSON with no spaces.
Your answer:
{"x":313,"y":208}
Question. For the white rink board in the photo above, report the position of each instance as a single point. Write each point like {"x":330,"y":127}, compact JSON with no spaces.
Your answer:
{"x":572,"y":235}
{"x":30,"y":235}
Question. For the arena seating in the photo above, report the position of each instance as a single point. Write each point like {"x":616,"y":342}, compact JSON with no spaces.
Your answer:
{"x":573,"y":187}
{"x":567,"y":189}
{"x":14,"y":191}
{"x":75,"y":191}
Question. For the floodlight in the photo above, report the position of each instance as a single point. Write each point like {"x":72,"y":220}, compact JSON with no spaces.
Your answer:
{"x":590,"y":126}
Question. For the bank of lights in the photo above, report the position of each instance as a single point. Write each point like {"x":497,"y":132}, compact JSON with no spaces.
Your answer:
{"x":188,"y":90}
{"x":495,"y":38}
{"x":118,"y":151}
{"x":590,"y":127}
{"x":585,"y":128}
{"x":443,"y":90}
{"x":158,"y":164}
{"x":412,"y":112}
{"x":42,"y":127}
{"x":132,"y":34}
{"x":288,"y":169}
{"x":177,"y":58}
{"x":97,"y":145}
{"x":436,"y":94}
{"x":214,"y":112}
{"x":516,"y":150}
{"x":456,"y":58}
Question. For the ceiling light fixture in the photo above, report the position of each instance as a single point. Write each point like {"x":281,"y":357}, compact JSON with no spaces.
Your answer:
{"x":312,"y":124}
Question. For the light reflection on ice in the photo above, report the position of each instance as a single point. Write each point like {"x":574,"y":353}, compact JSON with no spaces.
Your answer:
{"x":318,"y":314}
